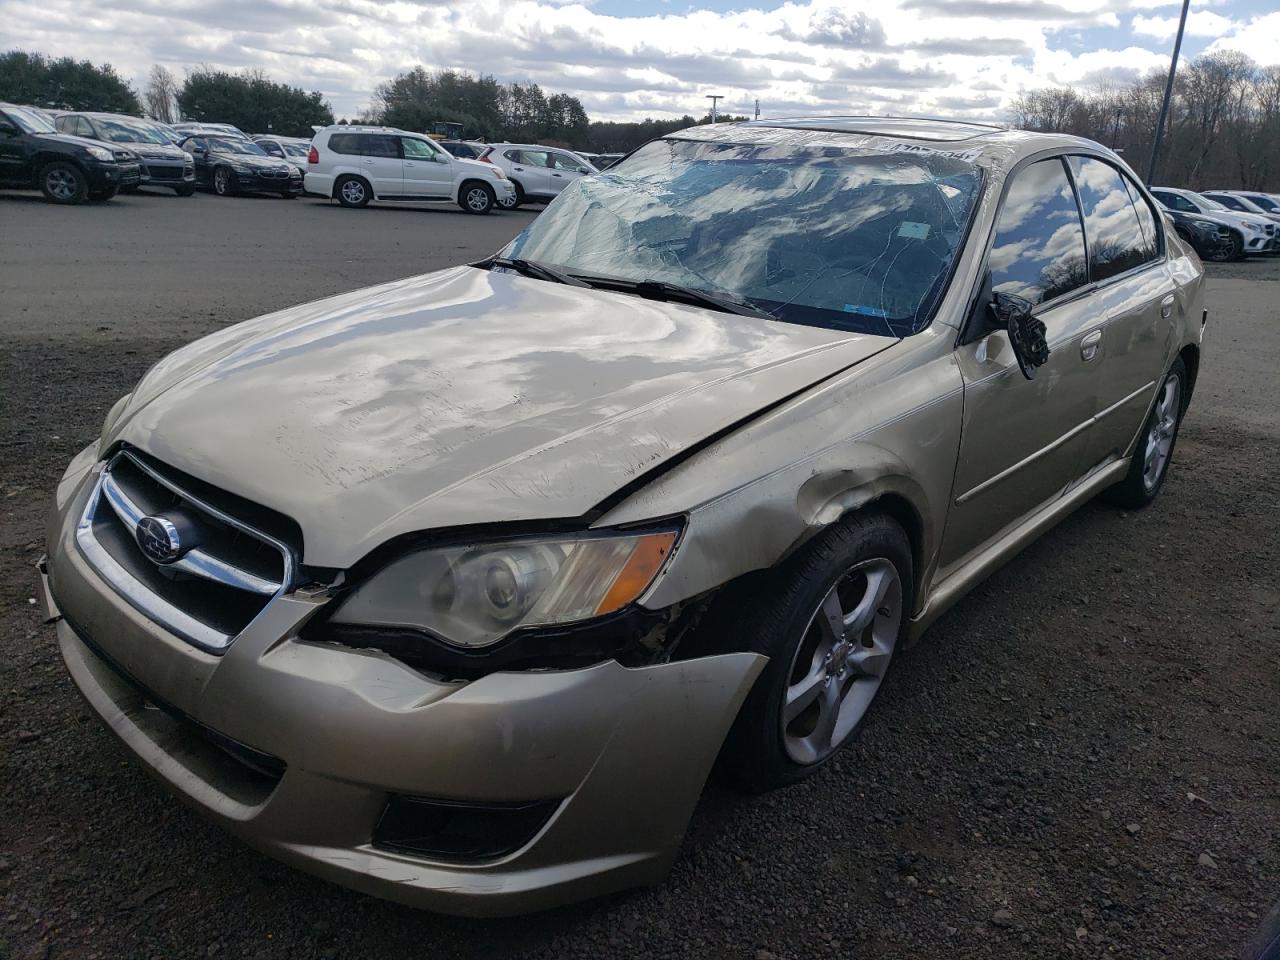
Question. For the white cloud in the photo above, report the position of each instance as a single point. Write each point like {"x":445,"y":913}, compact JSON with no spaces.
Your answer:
{"x":1259,"y":39}
{"x":958,"y":57}
{"x":1200,"y":23}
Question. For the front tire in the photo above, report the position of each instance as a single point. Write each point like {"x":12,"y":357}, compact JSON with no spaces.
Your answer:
{"x":352,"y":192}
{"x":186,"y":190}
{"x":62,"y":182}
{"x":476,"y":198}
{"x":1151,"y":459}
{"x":97,"y":196}
{"x":1233,"y":249}
{"x":224,"y":182}
{"x":829,"y":625}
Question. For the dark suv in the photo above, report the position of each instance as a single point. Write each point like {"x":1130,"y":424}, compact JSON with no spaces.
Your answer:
{"x":164,"y":164}
{"x":33,"y":154}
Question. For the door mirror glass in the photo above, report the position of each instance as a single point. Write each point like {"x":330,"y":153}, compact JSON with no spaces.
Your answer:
{"x":1026,"y":334}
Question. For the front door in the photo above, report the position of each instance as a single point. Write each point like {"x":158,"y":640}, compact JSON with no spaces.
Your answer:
{"x":563,"y":171}
{"x":529,"y":169}
{"x":427,"y":170}
{"x":1022,"y":441}
{"x":13,"y":152}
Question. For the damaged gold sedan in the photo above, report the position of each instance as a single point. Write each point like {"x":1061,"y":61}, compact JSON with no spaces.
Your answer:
{"x":452,"y":590}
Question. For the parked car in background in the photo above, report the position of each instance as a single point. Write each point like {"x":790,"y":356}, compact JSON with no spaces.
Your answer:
{"x":292,"y":150}
{"x":1211,"y":238}
{"x":65,"y":168}
{"x":1257,"y":234}
{"x":356,"y":164}
{"x":1241,"y":202}
{"x":454,"y":589}
{"x":466,"y":149}
{"x":228,"y":165}
{"x":601,"y":161}
{"x":538,"y":173}
{"x":163,"y":164}
{"x":188,"y":127}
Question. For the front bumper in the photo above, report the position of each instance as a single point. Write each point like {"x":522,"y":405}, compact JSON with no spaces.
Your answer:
{"x":105,"y":175}
{"x":624,"y":751}
{"x":253,"y":183}
{"x":166,"y":173}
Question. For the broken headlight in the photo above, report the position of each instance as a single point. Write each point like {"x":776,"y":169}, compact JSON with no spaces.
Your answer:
{"x":475,"y":595}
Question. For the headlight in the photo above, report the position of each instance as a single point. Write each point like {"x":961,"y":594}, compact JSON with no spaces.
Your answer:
{"x":99,"y":153}
{"x":1204,"y":225}
{"x":500,"y":173}
{"x":188,"y":158}
{"x":474,"y":595}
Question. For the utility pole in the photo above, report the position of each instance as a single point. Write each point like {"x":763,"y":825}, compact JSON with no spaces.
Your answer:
{"x":757,"y":108}
{"x":1168,"y":93}
{"x":717,"y":97}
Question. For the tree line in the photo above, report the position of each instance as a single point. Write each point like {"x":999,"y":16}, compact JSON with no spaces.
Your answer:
{"x":1223,"y":128}
{"x":417,"y":99}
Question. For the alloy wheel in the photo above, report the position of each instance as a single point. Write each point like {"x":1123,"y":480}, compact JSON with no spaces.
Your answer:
{"x":353,"y":191}
{"x":1164,"y":425}
{"x":61,"y":184}
{"x":477,"y":199}
{"x":841,"y":660}
{"x":221,"y":181}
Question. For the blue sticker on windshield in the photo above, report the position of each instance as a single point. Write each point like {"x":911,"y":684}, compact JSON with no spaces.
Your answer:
{"x":914,"y":231}
{"x":865,"y":311}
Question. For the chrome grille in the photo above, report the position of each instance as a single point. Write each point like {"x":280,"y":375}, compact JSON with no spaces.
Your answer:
{"x":222,"y":573}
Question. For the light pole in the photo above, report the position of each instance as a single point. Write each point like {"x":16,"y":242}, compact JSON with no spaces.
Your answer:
{"x":1168,"y":94}
{"x":714,"y":98}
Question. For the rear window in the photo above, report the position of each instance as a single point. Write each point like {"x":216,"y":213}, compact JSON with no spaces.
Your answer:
{"x":364,"y":144}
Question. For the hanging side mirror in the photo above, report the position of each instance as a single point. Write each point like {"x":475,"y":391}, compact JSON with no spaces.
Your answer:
{"x":1026,"y":333}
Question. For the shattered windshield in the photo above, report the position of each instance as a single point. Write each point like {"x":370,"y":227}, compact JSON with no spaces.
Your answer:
{"x":850,"y":239}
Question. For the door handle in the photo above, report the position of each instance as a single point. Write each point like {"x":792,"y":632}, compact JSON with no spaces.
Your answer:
{"x":1089,"y":345}
{"x":519,"y":169}
{"x":367,"y":162}
{"x":559,"y":176}
{"x":1166,"y":307}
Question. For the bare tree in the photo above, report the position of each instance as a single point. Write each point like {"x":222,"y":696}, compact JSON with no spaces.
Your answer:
{"x":162,"y":95}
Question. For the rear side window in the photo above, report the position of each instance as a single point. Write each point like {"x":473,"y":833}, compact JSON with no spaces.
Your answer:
{"x":1175,"y":201}
{"x":1038,"y":252}
{"x":344,"y":143}
{"x":1146,"y":218}
{"x":1115,"y":239}
{"x":378,"y":145}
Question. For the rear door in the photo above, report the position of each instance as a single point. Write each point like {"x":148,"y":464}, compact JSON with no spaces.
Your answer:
{"x":427,"y":170}
{"x":529,"y":167}
{"x":1135,"y":291}
{"x":1022,"y":440}
{"x":380,"y":160}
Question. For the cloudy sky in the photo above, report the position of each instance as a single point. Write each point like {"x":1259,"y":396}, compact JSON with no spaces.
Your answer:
{"x":627,"y":59}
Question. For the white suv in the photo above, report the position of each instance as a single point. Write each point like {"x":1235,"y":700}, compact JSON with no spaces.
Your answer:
{"x":354,"y":165}
{"x":539,"y":173}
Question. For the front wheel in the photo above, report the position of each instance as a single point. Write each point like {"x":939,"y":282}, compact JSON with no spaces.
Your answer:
{"x":476,"y":198}
{"x":106,"y":193}
{"x":829,"y":625}
{"x":1232,"y":249}
{"x":224,"y":182}
{"x":186,"y":190}
{"x":513,"y":200}
{"x":1154,"y":453}
{"x":63,"y":183}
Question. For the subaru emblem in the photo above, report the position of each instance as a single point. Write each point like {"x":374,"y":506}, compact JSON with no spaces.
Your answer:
{"x":158,"y":539}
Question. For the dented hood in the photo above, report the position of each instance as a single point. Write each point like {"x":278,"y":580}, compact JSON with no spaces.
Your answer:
{"x":462,"y":397}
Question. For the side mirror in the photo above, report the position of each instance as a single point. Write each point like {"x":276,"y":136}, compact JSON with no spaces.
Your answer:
{"x":1026,"y":333}
{"x":441,"y":158}
{"x":8,"y":130}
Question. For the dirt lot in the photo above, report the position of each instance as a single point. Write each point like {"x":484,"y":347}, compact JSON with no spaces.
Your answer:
{"x":1081,"y":761}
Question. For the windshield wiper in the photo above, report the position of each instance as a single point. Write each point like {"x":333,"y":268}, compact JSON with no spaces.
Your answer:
{"x":530,"y":268}
{"x":664,"y":290}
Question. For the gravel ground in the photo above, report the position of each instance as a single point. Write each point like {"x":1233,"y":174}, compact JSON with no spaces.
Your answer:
{"x":1080,"y":761}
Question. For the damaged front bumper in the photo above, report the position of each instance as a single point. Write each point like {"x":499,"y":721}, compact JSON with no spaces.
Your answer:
{"x":308,"y":750}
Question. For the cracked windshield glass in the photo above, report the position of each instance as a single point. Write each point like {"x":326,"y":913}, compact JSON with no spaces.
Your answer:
{"x":850,"y":239}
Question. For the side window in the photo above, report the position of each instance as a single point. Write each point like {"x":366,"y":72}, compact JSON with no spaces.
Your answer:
{"x":378,"y":145}
{"x":415,"y":149}
{"x":536,"y":158}
{"x":1038,"y":252}
{"x":344,"y":143}
{"x":1146,"y":219}
{"x":1226,"y":200}
{"x":82,"y":128}
{"x":1115,"y":239}
{"x":63,"y":124}
{"x":562,"y":162}
{"x":271,"y":148}
{"x":1178,"y":202}
{"x":515,"y":156}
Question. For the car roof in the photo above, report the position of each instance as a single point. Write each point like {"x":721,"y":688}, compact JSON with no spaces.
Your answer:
{"x":916,"y":128}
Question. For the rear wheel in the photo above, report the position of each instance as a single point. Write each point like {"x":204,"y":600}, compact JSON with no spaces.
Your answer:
{"x":476,"y":198}
{"x":1154,"y":453}
{"x":62,"y":182}
{"x":513,"y":201}
{"x":224,"y":182}
{"x":351,"y":192}
{"x":829,"y":626}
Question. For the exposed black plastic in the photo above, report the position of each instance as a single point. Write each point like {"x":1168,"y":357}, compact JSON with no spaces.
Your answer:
{"x":458,"y":831}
